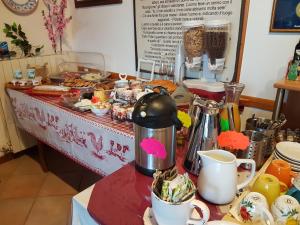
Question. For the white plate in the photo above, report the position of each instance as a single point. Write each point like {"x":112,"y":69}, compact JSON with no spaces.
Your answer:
{"x":280,"y":156}
{"x":149,"y":219}
{"x":290,"y":150}
{"x":221,"y":222}
{"x":294,"y":167}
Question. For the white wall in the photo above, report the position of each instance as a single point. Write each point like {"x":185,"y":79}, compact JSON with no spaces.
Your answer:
{"x":37,"y":35}
{"x":108,"y":29}
{"x":266,"y":54}
{"x":33,"y":26}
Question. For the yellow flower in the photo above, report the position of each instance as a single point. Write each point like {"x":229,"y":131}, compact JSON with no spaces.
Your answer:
{"x":184,"y":118}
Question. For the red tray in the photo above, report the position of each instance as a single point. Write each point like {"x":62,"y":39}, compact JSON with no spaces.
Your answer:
{"x":45,"y":93}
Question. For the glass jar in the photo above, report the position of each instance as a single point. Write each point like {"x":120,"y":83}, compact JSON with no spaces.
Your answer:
{"x":216,"y":41}
{"x":193,"y":39}
{"x":230,"y":115}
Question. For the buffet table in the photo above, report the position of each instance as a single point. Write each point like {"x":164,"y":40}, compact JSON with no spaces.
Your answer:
{"x":102,"y":145}
{"x":98,"y":143}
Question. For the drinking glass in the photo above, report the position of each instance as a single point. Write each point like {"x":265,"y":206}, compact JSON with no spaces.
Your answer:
{"x":171,"y":70}
{"x":163,"y":70}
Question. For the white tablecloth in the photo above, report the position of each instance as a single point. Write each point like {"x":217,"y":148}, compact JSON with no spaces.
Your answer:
{"x":80,"y":215}
{"x":97,"y":143}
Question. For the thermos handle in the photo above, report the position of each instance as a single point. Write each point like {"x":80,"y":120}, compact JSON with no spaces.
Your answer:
{"x":253,"y":169}
{"x":177,"y":122}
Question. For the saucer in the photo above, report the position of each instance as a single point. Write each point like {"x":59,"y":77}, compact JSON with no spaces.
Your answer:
{"x":149,"y":218}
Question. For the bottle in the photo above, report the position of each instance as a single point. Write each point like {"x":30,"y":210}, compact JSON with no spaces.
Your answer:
{"x":296,"y":59}
{"x":297,"y":52}
{"x":179,"y":64}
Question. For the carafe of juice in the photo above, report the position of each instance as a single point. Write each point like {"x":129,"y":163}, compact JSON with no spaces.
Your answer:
{"x":230,"y":115}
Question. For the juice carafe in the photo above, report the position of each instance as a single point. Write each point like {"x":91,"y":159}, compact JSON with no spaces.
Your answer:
{"x":230,"y":115}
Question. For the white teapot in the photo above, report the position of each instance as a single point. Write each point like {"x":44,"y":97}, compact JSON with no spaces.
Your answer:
{"x":217,"y":180}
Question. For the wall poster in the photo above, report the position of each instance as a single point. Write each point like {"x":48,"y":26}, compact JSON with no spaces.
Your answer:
{"x":158,"y":26}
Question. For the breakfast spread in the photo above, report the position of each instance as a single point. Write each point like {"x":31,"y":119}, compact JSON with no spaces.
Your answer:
{"x":169,"y":85}
{"x":92,"y":77}
{"x":24,"y":83}
{"x":118,"y":100}
{"x":78,"y":82}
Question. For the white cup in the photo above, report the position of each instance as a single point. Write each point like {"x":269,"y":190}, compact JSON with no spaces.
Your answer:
{"x":286,"y":208}
{"x":254,"y":207}
{"x":167,"y":213}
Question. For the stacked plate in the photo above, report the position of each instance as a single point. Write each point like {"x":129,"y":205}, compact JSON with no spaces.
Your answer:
{"x":290,"y":152}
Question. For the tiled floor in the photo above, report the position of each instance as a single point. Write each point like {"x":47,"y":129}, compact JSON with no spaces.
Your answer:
{"x":29,"y":196}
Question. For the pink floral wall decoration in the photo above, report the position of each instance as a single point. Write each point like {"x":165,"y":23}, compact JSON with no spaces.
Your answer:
{"x":55,"y":21}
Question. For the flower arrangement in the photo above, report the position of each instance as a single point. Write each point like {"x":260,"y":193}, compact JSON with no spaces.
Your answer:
{"x":233,"y":141}
{"x":55,"y":21}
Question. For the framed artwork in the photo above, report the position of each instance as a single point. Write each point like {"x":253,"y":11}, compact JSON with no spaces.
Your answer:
{"x":88,"y":3}
{"x":285,"y":16}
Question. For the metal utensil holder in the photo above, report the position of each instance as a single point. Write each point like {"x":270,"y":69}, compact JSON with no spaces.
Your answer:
{"x":255,"y":150}
{"x":271,"y":142}
{"x":264,"y":126}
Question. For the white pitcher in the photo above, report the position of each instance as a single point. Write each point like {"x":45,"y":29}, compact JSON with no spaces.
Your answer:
{"x":217,"y":181}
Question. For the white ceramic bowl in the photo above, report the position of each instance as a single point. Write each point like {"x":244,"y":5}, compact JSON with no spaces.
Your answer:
{"x":99,"y":112}
{"x":121,"y":84}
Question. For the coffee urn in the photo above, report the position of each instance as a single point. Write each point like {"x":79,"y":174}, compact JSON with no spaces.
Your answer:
{"x":155,"y":123}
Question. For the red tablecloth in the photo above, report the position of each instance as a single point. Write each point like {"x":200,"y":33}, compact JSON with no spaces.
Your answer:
{"x":122,"y":197}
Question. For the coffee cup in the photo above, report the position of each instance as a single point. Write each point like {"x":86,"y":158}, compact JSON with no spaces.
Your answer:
{"x":254,"y":207}
{"x":168,"y":213}
{"x":18,"y":74}
{"x":31,"y":73}
{"x":286,"y":210}
{"x":282,"y":170}
{"x":269,"y":186}
{"x":100,"y":93}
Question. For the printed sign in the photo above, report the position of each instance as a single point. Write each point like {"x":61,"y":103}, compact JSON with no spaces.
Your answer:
{"x":158,"y":26}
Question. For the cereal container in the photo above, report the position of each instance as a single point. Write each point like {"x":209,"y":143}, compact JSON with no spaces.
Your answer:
{"x":193,"y":40}
{"x":216,"y":41}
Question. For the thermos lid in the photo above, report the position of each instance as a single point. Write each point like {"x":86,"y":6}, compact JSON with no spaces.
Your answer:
{"x":156,"y":110}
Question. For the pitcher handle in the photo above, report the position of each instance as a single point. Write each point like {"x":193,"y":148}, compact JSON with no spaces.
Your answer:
{"x":204,"y":210}
{"x":267,"y":215}
{"x":253,"y":169}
